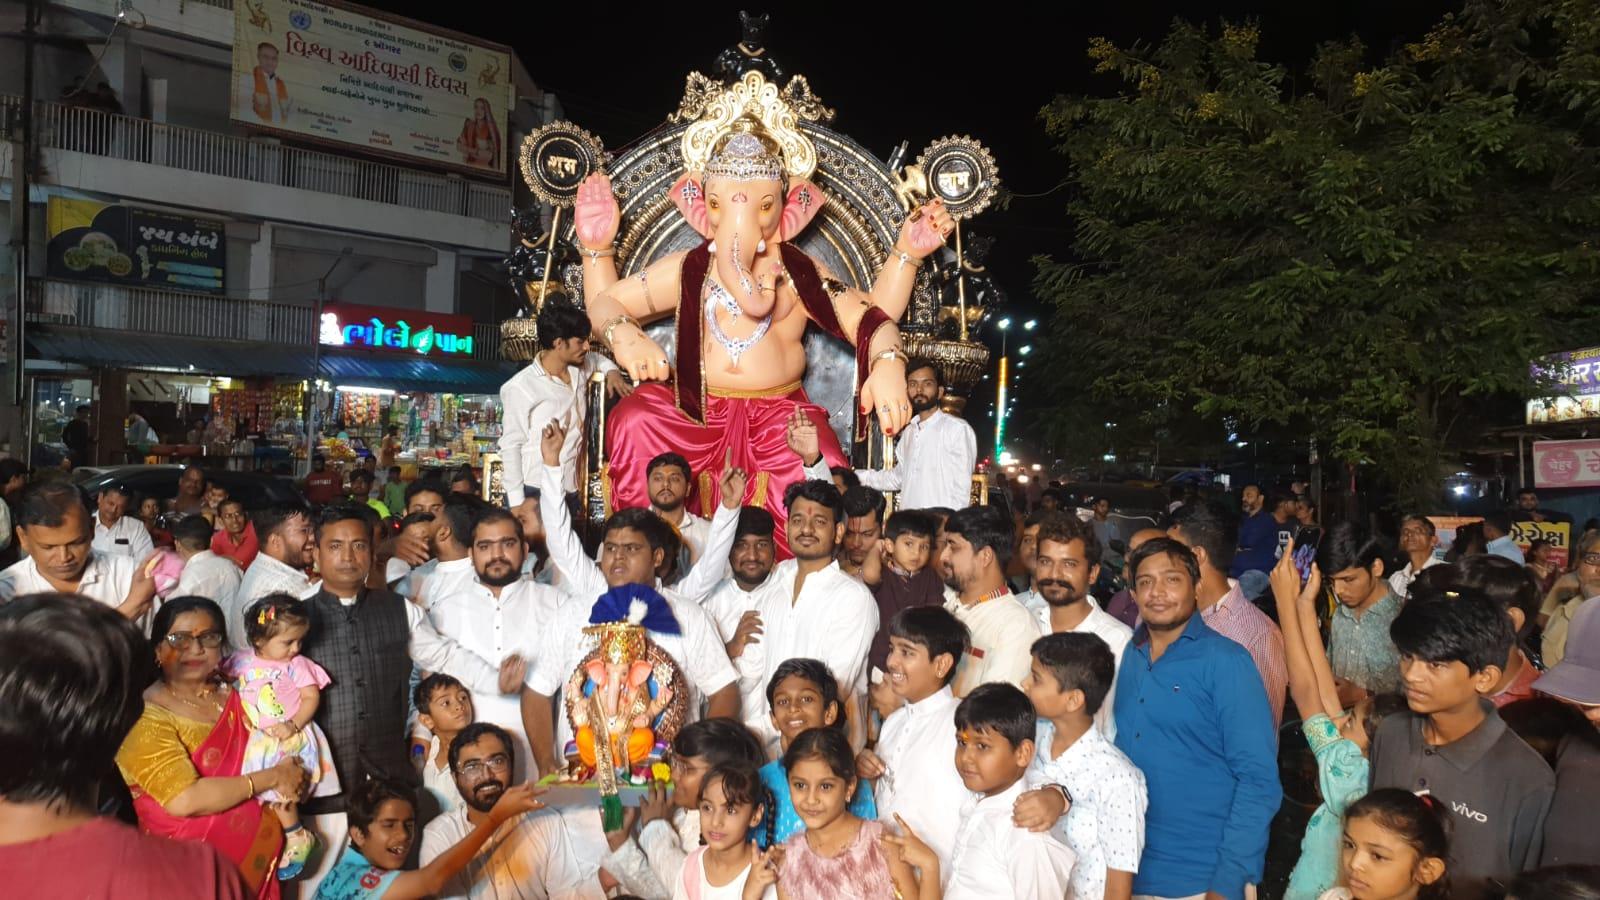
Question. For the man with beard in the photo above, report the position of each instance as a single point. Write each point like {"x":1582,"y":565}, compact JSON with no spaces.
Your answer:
{"x":529,"y":855}
{"x":669,"y":479}
{"x":977,"y":547}
{"x":451,"y":568}
{"x":735,"y":603}
{"x":284,"y":531}
{"x":1192,"y":715}
{"x":933,"y":457}
{"x":817,"y":611}
{"x":498,"y":615}
{"x":1066,"y":562}
{"x":367,"y":640}
{"x":863,"y":525}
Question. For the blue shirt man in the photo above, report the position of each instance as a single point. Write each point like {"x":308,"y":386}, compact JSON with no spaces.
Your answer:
{"x":1192,"y":714}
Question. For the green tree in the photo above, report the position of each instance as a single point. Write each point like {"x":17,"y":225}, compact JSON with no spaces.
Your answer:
{"x":1365,"y":255}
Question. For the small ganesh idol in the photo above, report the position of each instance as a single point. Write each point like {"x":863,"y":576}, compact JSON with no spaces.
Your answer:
{"x":627,"y":697}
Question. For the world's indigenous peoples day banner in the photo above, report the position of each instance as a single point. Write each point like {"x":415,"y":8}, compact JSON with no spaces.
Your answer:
{"x":356,"y":77}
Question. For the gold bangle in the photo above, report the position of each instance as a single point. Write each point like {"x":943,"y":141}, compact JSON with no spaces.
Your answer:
{"x":594,"y":255}
{"x":252,"y":783}
{"x":609,"y":327}
{"x":891,"y":353}
{"x":905,"y":257}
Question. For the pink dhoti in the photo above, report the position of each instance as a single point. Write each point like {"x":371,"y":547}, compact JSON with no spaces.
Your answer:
{"x":750,"y":425}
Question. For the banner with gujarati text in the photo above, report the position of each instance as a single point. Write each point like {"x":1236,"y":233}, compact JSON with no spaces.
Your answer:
{"x":356,"y":77}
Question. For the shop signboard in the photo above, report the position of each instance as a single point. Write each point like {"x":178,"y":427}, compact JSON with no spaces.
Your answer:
{"x":92,"y":241}
{"x":1578,"y":373}
{"x":385,"y":330}
{"x":1566,"y":464}
{"x":346,"y":75}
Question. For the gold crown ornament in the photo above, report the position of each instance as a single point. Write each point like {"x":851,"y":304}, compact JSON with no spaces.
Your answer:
{"x":620,"y":643}
{"x":723,"y":113}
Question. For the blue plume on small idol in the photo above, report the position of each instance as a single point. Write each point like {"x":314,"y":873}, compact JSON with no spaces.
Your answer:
{"x":638,"y":604}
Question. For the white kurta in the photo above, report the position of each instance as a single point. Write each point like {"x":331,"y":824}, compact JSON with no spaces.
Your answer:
{"x":917,"y":745}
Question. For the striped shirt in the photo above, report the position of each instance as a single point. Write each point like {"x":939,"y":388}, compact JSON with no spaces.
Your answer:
{"x":1236,"y":618}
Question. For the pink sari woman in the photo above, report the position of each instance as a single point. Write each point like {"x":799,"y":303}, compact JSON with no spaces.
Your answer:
{"x":182,"y":758}
{"x":479,"y":141}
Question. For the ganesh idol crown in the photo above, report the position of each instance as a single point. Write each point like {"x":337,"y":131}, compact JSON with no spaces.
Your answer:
{"x":762,"y":278}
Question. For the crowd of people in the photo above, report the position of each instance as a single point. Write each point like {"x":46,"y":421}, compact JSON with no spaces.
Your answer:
{"x":930,"y":701}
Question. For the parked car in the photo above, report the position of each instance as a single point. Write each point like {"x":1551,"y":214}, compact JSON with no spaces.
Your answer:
{"x":254,"y":488}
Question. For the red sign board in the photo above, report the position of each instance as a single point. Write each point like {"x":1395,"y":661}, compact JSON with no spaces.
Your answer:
{"x":388,"y":330}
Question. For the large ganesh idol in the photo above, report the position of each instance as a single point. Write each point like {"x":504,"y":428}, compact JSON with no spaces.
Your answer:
{"x":741,"y":302}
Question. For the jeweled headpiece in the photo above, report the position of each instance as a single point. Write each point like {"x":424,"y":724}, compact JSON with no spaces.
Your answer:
{"x":620,"y":642}
{"x":746,"y":153}
{"x":720,"y":115}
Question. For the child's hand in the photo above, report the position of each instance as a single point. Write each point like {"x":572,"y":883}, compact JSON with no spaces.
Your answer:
{"x":657,"y":804}
{"x":1285,"y":578}
{"x":869,"y":766}
{"x":282,"y":731}
{"x":910,"y":848}
{"x":512,"y":670}
{"x":1039,"y":810}
{"x":763,"y":870}
{"x":517,"y":799}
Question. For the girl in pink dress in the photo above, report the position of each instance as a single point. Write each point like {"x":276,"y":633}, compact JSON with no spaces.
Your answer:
{"x":280,"y":690}
{"x":840,"y":856}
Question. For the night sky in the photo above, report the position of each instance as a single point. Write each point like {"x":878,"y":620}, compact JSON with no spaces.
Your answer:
{"x":895,"y":75}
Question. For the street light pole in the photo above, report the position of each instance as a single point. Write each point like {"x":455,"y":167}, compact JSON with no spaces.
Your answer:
{"x":312,"y":406}
{"x":1004,"y":386}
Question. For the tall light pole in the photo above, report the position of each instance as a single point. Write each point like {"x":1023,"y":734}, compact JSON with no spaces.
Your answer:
{"x":1005,"y":379}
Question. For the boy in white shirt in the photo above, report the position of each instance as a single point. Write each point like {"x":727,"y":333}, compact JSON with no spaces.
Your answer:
{"x":994,"y":745}
{"x":912,"y":766}
{"x":1071,"y":675}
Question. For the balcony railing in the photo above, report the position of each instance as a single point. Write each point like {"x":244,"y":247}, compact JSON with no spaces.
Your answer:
{"x":193,"y":150}
{"x":175,"y":313}
{"x":182,"y":314}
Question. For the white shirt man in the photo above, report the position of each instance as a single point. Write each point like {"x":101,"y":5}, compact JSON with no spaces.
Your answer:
{"x":1400,"y":582}
{"x":531,"y":399}
{"x":208,"y":575}
{"x":933,"y":464}
{"x":446,"y":577}
{"x":993,"y":857}
{"x":266,"y":575}
{"x":920,"y":738}
{"x":698,"y":648}
{"x":106,"y":579}
{"x":518,"y":621}
{"x":529,"y":857}
{"x":1002,"y":632}
{"x":727,"y":606}
{"x":125,"y":536}
{"x":1116,"y":635}
{"x":833,"y":619}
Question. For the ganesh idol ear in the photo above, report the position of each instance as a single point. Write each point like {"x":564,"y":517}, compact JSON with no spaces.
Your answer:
{"x":804,"y":202}
{"x":690,"y":198}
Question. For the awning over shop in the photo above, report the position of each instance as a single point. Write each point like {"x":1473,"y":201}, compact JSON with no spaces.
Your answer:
{"x":403,"y":373}
{"x":101,"y":347}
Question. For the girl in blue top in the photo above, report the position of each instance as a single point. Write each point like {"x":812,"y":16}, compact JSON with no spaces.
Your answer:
{"x":802,"y":694}
{"x":1338,"y":739}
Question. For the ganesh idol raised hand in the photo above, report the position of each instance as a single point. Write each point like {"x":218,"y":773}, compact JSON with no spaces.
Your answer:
{"x":742,"y":302}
